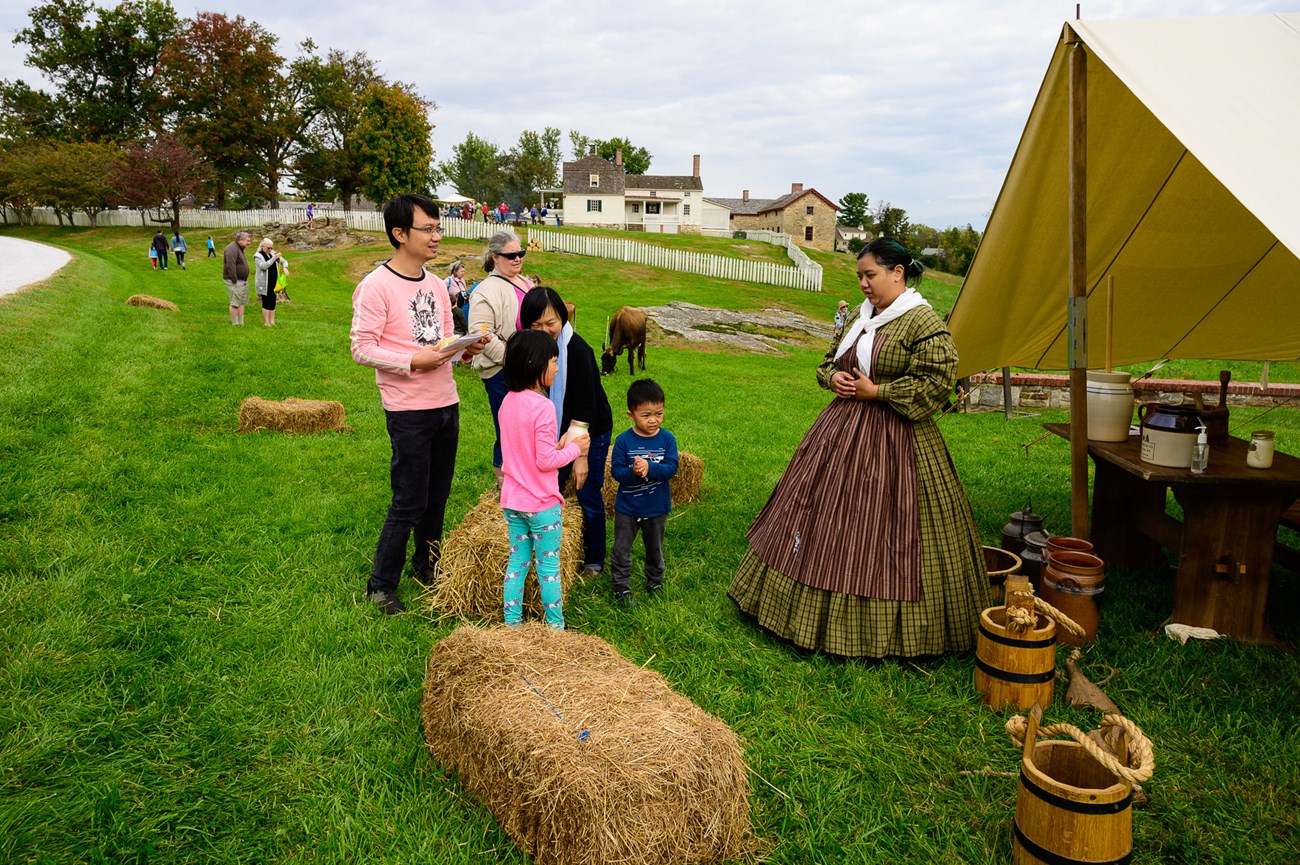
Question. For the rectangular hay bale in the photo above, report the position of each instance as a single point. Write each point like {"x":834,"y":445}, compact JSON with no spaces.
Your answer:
{"x":473,"y":558}
{"x":292,"y":415}
{"x":582,"y":756}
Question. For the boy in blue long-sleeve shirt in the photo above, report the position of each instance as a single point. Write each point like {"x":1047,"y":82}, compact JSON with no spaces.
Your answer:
{"x":643,"y":461}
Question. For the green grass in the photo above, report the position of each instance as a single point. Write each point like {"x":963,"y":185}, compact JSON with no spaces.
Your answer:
{"x":189,"y":671}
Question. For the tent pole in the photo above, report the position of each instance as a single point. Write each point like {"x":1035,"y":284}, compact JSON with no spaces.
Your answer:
{"x":1077,"y":310}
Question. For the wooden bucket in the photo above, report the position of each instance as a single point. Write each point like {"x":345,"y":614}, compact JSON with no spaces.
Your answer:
{"x":1070,"y":808}
{"x":998,"y":564}
{"x":1015,"y":668}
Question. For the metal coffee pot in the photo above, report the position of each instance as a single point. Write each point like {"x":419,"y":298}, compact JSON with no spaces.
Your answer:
{"x":1022,"y":523}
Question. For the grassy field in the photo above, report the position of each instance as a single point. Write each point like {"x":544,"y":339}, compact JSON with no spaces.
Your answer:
{"x":189,"y":671}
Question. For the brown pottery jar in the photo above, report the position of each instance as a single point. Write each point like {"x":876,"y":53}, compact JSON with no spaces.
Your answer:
{"x":1072,"y":582}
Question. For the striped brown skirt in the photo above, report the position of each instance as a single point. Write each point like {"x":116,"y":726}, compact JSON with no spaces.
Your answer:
{"x":867,"y":546}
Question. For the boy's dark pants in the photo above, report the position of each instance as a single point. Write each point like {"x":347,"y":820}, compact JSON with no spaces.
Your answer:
{"x":620,"y":558}
{"x":424,"y":458}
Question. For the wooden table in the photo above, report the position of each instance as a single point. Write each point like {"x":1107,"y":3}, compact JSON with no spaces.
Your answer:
{"x":1225,"y":542}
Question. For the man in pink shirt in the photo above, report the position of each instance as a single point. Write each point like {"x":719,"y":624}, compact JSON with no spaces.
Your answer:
{"x":399,"y":314}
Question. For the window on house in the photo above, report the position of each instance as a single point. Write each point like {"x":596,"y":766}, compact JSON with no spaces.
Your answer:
{"x":809,"y":210}
{"x":595,"y":181}
{"x":593,"y":205}
{"x":807,"y":233}
{"x":636,"y":207}
{"x":687,"y":195}
{"x":686,"y":210}
{"x":652,"y":207}
{"x":653,"y":193}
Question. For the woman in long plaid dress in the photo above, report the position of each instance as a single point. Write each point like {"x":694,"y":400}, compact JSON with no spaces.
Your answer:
{"x":867,"y":547}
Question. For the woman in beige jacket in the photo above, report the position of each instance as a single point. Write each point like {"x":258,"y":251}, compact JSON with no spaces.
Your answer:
{"x":494,"y":308}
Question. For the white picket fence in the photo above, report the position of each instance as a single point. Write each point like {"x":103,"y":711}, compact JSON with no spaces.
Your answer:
{"x":805,"y":274}
{"x":361,"y":220}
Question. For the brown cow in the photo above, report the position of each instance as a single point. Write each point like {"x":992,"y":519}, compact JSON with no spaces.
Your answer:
{"x":626,"y":331}
{"x":568,"y":307}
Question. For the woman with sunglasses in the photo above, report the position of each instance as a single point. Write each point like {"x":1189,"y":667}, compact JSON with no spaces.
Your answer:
{"x":494,"y":308}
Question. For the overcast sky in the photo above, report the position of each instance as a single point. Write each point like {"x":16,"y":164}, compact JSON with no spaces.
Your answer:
{"x":918,"y":103}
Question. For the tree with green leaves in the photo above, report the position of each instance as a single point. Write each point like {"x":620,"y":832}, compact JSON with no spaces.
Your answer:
{"x":636,"y":160}
{"x":328,"y":165}
{"x":103,"y":63}
{"x":223,"y":83}
{"x":475,"y":169}
{"x":960,"y":245}
{"x":394,"y":142}
{"x":890,"y":221}
{"x":78,"y":176}
{"x":158,"y":175}
{"x":579,"y":143}
{"x":853,"y":210}
{"x":533,"y":164}
{"x":19,"y":179}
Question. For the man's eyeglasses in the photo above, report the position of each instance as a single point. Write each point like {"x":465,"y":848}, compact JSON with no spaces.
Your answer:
{"x":514,"y":256}
{"x":426,"y":229}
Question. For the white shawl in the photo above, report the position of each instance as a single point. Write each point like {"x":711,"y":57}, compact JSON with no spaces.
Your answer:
{"x":867,"y":324}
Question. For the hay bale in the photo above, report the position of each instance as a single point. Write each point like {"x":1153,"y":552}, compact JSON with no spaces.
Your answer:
{"x":473,"y":563}
{"x":581,"y":755}
{"x":685,"y":484}
{"x":292,"y":415}
{"x":151,"y":302}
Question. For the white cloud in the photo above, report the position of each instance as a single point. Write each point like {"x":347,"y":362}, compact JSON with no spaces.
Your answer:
{"x":920,"y":104}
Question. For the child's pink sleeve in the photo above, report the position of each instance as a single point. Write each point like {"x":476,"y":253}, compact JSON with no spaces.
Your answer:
{"x":548,"y":457}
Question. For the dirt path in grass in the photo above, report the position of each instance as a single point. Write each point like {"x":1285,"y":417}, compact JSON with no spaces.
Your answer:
{"x":25,"y":262}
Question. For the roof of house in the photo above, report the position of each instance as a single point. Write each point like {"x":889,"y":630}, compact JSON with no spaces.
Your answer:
{"x":848,"y":231}
{"x":786,"y":200}
{"x":656,"y":181}
{"x":577,"y":176}
{"x":742,"y":206}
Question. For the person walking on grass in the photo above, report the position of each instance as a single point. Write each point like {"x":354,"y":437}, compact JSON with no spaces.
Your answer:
{"x":179,"y":248}
{"x":643,"y":462}
{"x":400,"y":315}
{"x":531,"y":459}
{"x":160,"y":244}
{"x":234,"y":273}
{"x":212,"y":248}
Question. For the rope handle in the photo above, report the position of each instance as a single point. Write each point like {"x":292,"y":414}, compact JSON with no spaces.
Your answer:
{"x":1018,"y":620}
{"x":1141,"y":758}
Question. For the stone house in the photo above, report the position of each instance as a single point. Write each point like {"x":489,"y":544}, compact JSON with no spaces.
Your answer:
{"x":601,"y":193}
{"x":804,"y":214}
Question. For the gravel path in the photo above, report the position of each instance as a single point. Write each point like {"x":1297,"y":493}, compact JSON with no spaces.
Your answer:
{"x":25,"y":262}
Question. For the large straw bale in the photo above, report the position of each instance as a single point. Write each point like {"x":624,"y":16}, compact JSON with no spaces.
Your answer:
{"x":151,"y":302}
{"x":473,"y":563}
{"x":292,"y":415}
{"x":685,"y":484}
{"x":582,"y":756}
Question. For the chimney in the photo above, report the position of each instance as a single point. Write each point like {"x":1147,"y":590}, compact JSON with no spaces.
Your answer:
{"x":696,"y":172}
{"x":618,"y":157}
{"x":744,"y":196}
{"x":591,"y":150}
{"x":796,"y":187}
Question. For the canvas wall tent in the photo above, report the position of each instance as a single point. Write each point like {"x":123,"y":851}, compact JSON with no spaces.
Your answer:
{"x":1193,"y":201}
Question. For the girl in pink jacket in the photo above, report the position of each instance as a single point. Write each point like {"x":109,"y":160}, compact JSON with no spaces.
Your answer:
{"x":531,"y":459}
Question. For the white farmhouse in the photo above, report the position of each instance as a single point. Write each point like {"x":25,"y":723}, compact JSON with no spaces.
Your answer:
{"x":601,"y":193}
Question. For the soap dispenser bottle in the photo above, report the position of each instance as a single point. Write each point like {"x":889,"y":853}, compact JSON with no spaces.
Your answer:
{"x":1201,"y":453}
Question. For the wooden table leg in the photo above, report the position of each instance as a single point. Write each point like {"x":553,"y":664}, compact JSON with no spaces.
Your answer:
{"x":1117,"y":497}
{"x":1226,"y":560}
